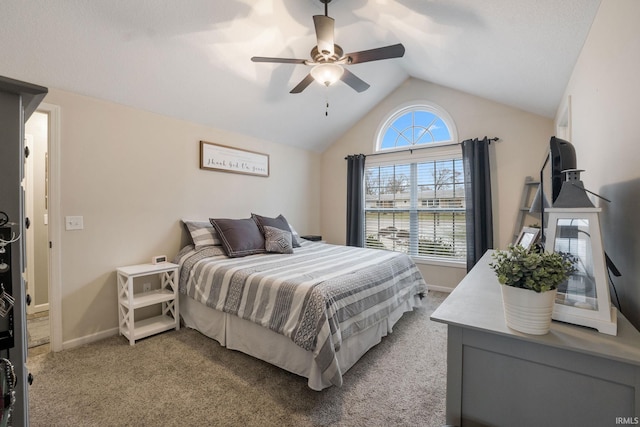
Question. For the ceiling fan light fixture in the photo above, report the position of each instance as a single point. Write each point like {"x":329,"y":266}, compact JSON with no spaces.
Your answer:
{"x":328,"y":58}
{"x":327,"y":74}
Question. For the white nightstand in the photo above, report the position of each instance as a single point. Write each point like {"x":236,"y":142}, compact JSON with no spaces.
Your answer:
{"x":128,"y":301}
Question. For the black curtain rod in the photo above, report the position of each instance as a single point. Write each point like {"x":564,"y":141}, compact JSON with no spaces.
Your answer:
{"x":411,"y":150}
{"x":495,"y":138}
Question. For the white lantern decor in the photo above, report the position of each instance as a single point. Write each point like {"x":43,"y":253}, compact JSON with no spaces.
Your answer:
{"x":574,"y":229}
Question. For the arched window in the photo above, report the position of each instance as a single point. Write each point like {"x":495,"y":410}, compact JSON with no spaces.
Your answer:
{"x":416,"y":124}
{"x":415,"y":199}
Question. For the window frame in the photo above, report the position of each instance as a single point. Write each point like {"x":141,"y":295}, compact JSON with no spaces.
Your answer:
{"x":411,"y":107}
{"x":444,"y":150}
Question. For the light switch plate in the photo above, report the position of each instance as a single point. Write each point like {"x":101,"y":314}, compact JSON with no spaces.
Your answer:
{"x":74,"y":222}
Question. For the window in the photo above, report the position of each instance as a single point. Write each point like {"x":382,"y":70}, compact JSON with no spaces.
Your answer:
{"x":416,"y":125}
{"x":415,"y":201}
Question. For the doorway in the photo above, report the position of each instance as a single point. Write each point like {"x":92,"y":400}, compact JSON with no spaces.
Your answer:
{"x":47,"y":296}
{"x":36,"y":184}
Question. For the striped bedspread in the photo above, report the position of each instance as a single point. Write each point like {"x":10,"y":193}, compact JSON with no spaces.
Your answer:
{"x":317,"y":296}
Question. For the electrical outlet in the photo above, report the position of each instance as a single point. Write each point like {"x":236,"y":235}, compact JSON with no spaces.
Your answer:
{"x":146,"y":287}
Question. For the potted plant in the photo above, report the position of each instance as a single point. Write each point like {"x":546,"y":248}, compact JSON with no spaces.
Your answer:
{"x":530,"y":279}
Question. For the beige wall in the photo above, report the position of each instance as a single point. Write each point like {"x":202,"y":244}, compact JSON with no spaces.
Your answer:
{"x":133,"y":175}
{"x":605,"y":102}
{"x":520,"y":151}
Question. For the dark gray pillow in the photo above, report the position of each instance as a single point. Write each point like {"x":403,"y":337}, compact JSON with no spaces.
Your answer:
{"x":240,"y":237}
{"x":277,"y":240}
{"x":277,"y":222}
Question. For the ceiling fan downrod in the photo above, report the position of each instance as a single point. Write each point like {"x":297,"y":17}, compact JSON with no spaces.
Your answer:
{"x":326,"y":6}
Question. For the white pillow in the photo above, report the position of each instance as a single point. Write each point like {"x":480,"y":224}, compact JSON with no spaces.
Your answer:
{"x":294,"y":233}
{"x":202,"y":233}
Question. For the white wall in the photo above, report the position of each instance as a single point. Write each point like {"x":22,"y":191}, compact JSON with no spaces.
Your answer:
{"x":519,"y":153}
{"x":605,"y":103}
{"x":133,"y":175}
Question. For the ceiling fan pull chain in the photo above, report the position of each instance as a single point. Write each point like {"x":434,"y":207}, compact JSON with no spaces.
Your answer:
{"x":326,"y":99}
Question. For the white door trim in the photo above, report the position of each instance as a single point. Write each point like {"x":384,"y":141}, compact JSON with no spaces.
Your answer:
{"x":28,"y":207}
{"x":55,"y":221}
{"x":29,"y":171}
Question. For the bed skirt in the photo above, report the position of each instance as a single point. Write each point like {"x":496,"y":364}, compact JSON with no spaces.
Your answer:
{"x":250,"y":338}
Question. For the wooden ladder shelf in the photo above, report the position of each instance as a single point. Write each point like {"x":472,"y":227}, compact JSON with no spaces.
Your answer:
{"x":528,"y":194}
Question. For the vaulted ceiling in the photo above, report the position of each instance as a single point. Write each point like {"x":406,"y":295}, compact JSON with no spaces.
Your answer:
{"x":190,"y":59}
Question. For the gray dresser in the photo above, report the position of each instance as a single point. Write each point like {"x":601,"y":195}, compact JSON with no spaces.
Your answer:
{"x":572,"y":376}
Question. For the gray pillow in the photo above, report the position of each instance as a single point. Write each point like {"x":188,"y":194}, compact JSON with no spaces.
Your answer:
{"x":277,"y":222}
{"x":277,"y":240}
{"x":240,"y":237}
{"x":202,"y":233}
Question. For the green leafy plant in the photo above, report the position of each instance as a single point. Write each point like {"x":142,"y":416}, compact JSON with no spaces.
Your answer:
{"x":531,"y":268}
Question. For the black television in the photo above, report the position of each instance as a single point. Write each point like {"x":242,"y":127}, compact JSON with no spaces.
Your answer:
{"x":560,"y":156}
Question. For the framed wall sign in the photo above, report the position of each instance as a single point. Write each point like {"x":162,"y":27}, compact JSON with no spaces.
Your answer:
{"x":230,"y":159}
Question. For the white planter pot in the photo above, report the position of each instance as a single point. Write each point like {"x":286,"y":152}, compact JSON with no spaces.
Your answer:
{"x":528,"y":311}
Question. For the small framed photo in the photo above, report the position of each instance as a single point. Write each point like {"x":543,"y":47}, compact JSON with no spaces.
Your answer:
{"x":528,"y":237}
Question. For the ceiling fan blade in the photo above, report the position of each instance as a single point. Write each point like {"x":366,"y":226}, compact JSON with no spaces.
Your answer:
{"x":354,"y":81}
{"x":278,"y":60}
{"x":303,"y":84}
{"x":387,"y":52}
{"x":324,"y":33}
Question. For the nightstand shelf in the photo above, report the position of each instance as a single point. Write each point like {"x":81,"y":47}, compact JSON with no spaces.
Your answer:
{"x":149,"y":298}
{"x":129,"y":301}
{"x":150,"y":326}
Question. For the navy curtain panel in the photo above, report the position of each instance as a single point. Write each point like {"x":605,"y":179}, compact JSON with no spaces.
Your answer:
{"x":477,"y":184}
{"x":355,"y":200}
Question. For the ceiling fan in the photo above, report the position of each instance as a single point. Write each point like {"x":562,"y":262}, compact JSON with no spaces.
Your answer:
{"x":328,"y":59}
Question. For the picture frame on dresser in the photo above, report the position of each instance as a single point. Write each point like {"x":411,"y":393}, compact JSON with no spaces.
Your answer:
{"x":528,"y":237}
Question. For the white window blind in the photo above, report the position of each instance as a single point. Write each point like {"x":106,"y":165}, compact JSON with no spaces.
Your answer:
{"x":417,"y":207}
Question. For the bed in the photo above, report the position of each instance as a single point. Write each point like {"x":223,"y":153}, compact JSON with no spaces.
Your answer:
{"x":314,"y":310}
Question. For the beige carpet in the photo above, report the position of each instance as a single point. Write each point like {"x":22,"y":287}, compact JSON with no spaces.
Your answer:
{"x":181,"y":378}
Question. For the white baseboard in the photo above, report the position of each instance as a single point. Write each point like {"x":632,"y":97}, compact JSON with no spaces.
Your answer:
{"x":77,"y":342}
